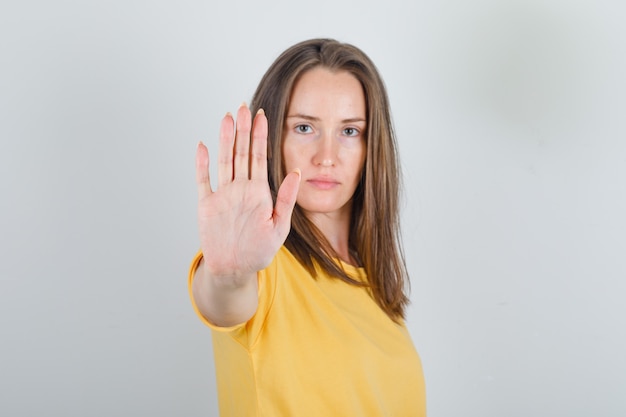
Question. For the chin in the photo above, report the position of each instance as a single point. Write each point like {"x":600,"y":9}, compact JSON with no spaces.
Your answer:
{"x":320,"y":207}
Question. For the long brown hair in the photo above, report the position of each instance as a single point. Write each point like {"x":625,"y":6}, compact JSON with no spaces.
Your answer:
{"x":374,"y":230}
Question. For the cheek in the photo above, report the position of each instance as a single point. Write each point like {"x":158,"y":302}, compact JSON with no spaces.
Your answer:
{"x":358,"y":160}
{"x":290,"y":157}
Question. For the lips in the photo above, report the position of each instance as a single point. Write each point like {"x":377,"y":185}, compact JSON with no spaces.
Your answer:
{"x":323,"y":183}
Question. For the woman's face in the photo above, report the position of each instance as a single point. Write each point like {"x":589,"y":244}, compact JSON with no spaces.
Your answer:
{"x":325,"y":138}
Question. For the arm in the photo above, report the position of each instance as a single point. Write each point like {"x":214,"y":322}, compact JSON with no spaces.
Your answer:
{"x":240,"y":228}
{"x":225,"y":301}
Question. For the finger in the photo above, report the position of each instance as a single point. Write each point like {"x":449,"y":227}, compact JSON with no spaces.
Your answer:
{"x":285,"y":202}
{"x":258,"y":157}
{"x":242,"y":142}
{"x":225,"y":156}
{"x":202,"y":171}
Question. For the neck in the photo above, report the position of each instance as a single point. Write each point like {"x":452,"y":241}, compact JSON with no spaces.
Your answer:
{"x":336,"y":229}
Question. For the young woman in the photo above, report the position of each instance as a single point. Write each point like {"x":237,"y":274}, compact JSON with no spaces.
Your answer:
{"x":301,"y":276}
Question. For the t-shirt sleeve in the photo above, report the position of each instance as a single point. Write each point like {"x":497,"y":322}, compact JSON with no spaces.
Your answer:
{"x":247,"y":332}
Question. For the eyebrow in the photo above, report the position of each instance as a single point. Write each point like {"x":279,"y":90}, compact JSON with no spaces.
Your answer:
{"x":316,"y":119}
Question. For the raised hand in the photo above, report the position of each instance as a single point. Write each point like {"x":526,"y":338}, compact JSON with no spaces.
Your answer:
{"x":240,"y":228}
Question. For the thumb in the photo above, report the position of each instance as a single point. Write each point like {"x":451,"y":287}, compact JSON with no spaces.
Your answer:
{"x":286,"y":200}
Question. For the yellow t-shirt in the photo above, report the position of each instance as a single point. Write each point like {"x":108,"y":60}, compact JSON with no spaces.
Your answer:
{"x":315,"y":347}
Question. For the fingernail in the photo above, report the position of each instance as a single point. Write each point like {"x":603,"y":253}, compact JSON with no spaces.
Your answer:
{"x":243,"y":104}
{"x":228,"y":114}
{"x":260,"y":111}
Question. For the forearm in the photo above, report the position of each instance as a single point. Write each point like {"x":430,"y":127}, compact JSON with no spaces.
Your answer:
{"x":225,"y":300}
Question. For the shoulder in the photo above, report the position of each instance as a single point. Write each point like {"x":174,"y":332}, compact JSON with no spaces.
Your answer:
{"x":284,"y":262}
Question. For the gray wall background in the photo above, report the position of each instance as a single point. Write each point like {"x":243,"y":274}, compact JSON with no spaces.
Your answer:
{"x":512,"y":128}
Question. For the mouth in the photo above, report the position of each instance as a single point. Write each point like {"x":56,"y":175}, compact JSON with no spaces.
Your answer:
{"x":323,"y":183}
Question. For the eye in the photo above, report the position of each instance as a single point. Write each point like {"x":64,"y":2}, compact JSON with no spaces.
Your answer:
{"x":303,"y":129}
{"x":351,"y":131}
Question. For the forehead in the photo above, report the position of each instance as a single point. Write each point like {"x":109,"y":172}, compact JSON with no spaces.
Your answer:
{"x":323,"y":91}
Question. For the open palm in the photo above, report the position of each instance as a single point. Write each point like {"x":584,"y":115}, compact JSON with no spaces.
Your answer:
{"x":240,"y":228}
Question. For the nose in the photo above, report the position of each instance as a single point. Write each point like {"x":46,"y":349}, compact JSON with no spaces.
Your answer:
{"x":326,"y":152}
